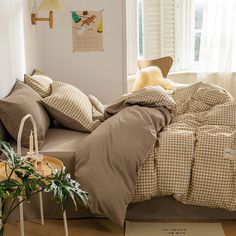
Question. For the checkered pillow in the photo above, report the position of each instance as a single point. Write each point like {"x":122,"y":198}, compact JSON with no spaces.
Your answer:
{"x":40,"y":83}
{"x":38,"y":72}
{"x":69,"y":106}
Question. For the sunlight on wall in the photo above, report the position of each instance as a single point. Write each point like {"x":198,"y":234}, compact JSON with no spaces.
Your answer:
{"x":12,"y":47}
{"x":17,"y":25}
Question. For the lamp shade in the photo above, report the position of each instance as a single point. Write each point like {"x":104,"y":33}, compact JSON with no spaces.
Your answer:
{"x":51,"y":5}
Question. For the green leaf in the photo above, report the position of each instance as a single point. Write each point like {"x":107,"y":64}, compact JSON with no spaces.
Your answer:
{"x":19,"y":174}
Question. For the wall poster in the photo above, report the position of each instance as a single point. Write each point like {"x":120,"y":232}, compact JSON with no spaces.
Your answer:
{"x":87,"y":28}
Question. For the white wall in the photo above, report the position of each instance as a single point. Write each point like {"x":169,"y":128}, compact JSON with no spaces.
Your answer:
{"x":7,"y":68}
{"x":102,"y":74}
{"x":12,"y":54}
{"x":19,"y":45}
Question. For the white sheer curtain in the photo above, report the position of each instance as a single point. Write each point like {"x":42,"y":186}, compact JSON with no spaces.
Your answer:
{"x":217,"y":62}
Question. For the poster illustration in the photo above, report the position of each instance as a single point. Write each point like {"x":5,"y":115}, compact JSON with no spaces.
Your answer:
{"x":87,"y":28}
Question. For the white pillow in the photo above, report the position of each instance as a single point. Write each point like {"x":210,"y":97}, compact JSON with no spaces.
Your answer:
{"x":96,"y":104}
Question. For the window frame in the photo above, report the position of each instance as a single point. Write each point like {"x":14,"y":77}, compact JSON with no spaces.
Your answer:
{"x":184,"y":36}
{"x":132,"y":36}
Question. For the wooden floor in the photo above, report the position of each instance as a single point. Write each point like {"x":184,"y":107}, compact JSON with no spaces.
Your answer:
{"x":85,"y":227}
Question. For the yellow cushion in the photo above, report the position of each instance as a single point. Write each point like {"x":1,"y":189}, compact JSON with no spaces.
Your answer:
{"x":150,"y":76}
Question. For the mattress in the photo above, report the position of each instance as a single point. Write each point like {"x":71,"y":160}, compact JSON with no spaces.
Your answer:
{"x":62,"y":144}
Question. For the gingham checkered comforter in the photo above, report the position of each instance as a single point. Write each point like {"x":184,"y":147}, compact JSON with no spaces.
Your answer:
{"x":188,"y":159}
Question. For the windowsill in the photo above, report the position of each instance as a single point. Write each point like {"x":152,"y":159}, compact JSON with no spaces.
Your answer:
{"x":192,"y":72}
{"x":181,"y":72}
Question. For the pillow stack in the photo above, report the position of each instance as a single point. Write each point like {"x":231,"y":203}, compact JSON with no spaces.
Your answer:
{"x":64,"y":102}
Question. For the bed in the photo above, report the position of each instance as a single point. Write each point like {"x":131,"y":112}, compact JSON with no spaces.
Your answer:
{"x":60,"y":144}
{"x":64,"y":144}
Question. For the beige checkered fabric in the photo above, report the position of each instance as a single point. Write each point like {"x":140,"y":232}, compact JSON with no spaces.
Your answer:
{"x":69,"y":106}
{"x":148,"y":96}
{"x":146,"y":187}
{"x":40,"y":83}
{"x":38,"y":72}
{"x":188,"y":160}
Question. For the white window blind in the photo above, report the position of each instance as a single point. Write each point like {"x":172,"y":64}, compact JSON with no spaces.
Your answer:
{"x":159,"y":28}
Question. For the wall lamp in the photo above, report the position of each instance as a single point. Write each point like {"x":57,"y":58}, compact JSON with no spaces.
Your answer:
{"x":50,"y":6}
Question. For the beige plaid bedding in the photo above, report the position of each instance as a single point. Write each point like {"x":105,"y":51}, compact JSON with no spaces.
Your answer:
{"x":188,"y":160}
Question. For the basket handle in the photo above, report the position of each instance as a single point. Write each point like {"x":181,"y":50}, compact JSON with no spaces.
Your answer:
{"x":29,"y":116}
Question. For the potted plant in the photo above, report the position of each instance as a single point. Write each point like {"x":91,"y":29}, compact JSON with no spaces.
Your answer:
{"x":28,"y":183}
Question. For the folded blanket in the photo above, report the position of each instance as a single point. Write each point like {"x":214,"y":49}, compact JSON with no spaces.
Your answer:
{"x":108,"y":161}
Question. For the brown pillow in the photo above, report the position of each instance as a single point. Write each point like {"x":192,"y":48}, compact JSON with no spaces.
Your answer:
{"x":22,"y":101}
{"x":69,"y":106}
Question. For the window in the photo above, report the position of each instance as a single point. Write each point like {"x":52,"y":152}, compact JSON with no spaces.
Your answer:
{"x":199,"y":8}
{"x":140,"y":29}
{"x":157,"y":23}
{"x":169,"y":28}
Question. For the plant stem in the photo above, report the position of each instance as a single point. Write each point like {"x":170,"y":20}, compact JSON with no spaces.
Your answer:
{"x":2,"y":230}
{"x":12,"y":204}
{"x":12,"y":170}
{"x":11,"y":210}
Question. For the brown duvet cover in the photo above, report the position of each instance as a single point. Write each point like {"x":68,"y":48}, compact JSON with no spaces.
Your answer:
{"x":108,"y":161}
{"x":128,"y":159}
